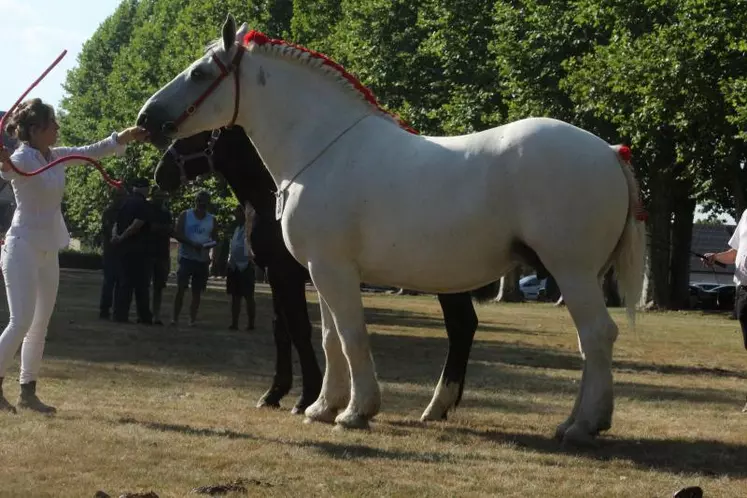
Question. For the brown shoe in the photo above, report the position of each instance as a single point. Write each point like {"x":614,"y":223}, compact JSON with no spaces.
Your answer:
{"x":28,"y":400}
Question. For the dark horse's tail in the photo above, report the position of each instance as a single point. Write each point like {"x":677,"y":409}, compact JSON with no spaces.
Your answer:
{"x":486,"y":292}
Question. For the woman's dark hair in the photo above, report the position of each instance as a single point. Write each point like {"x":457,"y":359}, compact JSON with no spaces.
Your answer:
{"x":31,"y":113}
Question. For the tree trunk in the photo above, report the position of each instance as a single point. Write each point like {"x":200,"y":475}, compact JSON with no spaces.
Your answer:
{"x":647,"y":295}
{"x":509,"y":291}
{"x":737,"y":187}
{"x":660,"y":216}
{"x":682,"y":234}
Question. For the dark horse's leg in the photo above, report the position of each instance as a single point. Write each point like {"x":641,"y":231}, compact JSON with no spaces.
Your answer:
{"x":461,"y":323}
{"x":283,"y":379}
{"x":292,"y":326}
{"x":299,"y":329}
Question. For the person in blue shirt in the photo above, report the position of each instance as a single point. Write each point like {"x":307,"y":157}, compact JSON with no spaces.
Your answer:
{"x":198,"y":227}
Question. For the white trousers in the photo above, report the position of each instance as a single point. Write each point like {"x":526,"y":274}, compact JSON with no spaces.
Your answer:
{"x":31,"y":281}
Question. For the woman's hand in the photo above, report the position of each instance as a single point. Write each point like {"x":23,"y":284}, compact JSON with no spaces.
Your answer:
{"x":709,"y":258}
{"x":133,"y":133}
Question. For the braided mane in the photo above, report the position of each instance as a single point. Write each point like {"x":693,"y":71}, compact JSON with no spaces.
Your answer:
{"x":303,"y":53}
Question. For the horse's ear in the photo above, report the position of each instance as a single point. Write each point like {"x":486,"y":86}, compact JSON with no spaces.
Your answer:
{"x":241,"y":33}
{"x":229,"y":33}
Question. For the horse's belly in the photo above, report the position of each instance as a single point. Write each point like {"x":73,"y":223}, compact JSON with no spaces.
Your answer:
{"x":429,"y":267}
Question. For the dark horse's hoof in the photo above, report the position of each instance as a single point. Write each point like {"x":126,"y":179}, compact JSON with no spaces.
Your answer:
{"x":304,"y":401}
{"x":691,"y":492}
{"x":271,"y":399}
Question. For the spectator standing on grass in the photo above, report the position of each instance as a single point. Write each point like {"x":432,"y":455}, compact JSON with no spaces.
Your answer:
{"x":197,"y":231}
{"x":109,"y":258}
{"x":737,"y":256}
{"x":159,"y":257}
{"x":240,"y":276}
{"x":132,"y":239}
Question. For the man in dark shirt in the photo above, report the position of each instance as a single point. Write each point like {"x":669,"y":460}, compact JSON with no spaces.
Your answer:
{"x":160,"y":249}
{"x":109,"y":254}
{"x":132,"y":239}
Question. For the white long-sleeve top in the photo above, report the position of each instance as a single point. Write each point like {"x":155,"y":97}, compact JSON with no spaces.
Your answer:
{"x":38,"y":215}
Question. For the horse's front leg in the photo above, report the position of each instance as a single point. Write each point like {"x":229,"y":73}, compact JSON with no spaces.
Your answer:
{"x":335,"y":391}
{"x":461,"y":324}
{"x":339,"y":286}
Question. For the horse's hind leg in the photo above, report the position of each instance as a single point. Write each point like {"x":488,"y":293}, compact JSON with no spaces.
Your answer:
{"x":461,"y":323}
{"x":597,"y":333}
{"x":335,"y":391}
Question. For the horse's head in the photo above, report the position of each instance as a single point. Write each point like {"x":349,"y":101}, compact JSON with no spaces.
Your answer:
{"x":227,"y":151}
{"x":188,"y":158}
{"x":176,"y":110}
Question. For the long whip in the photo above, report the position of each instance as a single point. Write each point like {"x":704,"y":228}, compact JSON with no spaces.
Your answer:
{"x":96,"y":164}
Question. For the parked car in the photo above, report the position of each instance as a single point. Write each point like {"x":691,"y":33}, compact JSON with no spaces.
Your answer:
{"x":724,"y":296}
{"x":708,"y":296}
{"x":531,"y":286}
{"x":706,"y":286}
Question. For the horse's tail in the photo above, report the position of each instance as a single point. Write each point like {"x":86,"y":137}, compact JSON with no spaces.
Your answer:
{"x":629,"y":255}
{"x":486,"y":292}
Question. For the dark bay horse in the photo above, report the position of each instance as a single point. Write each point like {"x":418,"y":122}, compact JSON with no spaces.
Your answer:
{"x":229,"y":152}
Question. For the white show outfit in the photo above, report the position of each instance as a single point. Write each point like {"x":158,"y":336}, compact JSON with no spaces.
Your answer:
{"x":738,"y":242}
{"x":29,"y":256}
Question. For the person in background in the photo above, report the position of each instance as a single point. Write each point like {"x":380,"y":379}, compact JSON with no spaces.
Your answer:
{"x":30,"y":254}
{"x":737,"y":256}
{"x":159,"y":247}
{"x":110,"y":260}
{"x":131,"y":240}
{"x":198,"y":227}
{"x":240,"y":274}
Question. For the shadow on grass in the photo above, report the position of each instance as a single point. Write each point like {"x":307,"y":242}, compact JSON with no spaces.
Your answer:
{"x":706,"y":458}
{"x":703,"y":457}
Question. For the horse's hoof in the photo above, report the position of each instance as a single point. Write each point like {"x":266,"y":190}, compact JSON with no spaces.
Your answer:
{"x":317,"y":412}
{"x":562,"y":429}
{"x":433,"y":416}
{"x":263,"y":403}
{"x":302,"y":404}
{"x":298,"y":410}
{"x":271,"y":399}
{"x":351,"y":420}
{"x":578,"y":436}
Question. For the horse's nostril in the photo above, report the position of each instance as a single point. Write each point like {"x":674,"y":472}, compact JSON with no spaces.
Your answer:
{"x":142,"y":120}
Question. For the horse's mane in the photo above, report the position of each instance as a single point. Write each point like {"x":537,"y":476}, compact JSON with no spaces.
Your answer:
{"x":319,"y":60}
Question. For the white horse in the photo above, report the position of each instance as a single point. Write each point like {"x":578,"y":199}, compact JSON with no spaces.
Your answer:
{"x":362,"y":199}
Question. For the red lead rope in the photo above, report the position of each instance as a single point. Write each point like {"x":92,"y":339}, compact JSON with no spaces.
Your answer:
{"x":97,"y":165}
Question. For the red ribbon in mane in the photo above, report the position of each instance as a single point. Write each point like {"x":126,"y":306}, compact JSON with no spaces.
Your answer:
{"x":97,"y":165}
{"x":262,"y":39}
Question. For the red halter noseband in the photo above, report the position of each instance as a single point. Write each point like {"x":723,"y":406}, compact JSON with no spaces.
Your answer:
{"x":224,"y":71}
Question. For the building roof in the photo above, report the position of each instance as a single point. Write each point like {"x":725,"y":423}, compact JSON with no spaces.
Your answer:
{"x":710,"y":238}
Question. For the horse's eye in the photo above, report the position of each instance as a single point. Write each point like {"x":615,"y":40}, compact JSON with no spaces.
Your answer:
{"x":197,"y":74}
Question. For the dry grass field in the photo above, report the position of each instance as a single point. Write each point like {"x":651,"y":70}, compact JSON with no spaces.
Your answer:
{"x":168,"y":410}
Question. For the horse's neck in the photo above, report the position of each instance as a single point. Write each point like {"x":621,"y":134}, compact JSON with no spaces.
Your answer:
{"x":255,"y":189}
{"x":292,"y":112}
